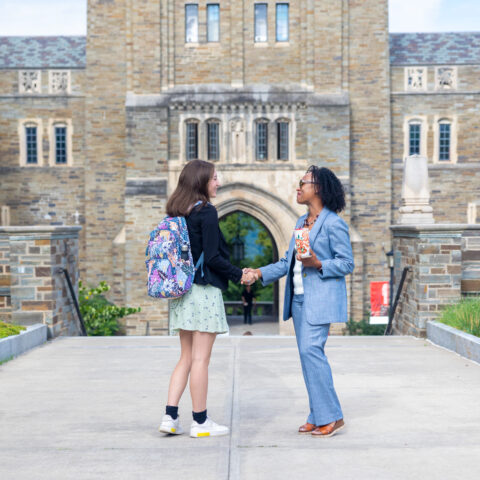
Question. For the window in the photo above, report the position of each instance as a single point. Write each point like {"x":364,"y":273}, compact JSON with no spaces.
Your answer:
{"x":282,"y":140}
{"x":61,"y":144}
{"x":192,"y":141}
{"x":282,"y":22}
{"x":444,"y":142}
{"x":191,"y":23}
{"x":262,"y":140}
{"x":213,"y":144}
{"x":213,"y":23}
{"x":260,"y":22}
{"x":31,"y":145}
{"x":414,"y":138}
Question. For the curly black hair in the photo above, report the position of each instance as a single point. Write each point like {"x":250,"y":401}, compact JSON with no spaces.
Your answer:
{"x":328,"y":187}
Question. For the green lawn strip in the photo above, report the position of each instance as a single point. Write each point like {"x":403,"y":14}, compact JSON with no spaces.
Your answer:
{"x":464,"y":316}
{"x":7,"y":329}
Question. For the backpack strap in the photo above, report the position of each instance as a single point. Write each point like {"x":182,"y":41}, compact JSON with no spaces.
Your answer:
{"x":200,"y":263}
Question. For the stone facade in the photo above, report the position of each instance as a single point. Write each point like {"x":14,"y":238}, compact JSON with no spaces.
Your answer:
{"x":130,"y":96}
{"x":444,"y":263}
{"x":33,"y":289}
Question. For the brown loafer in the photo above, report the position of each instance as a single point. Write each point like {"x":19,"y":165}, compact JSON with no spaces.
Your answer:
{"x":307,"y":428}
{"x":328,"y":430}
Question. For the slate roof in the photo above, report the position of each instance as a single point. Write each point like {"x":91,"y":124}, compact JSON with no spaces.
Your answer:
{"x":43,"y":52}
{"x":405,"y":49}
{"x":435,"y":48}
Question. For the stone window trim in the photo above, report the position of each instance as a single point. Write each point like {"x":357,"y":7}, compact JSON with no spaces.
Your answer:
{"x":247,"y":123}
{"x":60,"y":122}
{"x":184,"y":139}
{"x":203,"y":131}
{"x":418,"y":120}
{"x":258,"y":8}
{"x":192,"y":30}
{"x":440,"y":85}
{"x":62,"y":88}
{"x":29,"y":82}
{"x":277,"y":140}
{"x":258,"y":143}
{"x":22,"y":126}
{"x":278,"y":11}
{"x":421,"y":76}
{"x":215,"y":31}
{"x":452,"y":121}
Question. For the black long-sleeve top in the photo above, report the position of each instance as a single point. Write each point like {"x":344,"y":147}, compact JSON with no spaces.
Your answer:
{"x":206,"y":236}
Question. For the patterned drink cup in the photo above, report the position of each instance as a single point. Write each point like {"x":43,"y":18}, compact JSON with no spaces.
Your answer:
{"x":302,"y":242}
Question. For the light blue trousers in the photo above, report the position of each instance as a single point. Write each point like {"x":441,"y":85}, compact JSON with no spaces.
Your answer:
{"x":324,"y":405}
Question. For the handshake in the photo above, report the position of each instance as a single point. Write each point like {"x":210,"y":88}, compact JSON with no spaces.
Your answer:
{"x":250,"y":276}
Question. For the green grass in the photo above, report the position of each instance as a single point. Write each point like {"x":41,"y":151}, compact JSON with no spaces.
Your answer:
{"x":7,"y":329}
{"x":464,"y":316}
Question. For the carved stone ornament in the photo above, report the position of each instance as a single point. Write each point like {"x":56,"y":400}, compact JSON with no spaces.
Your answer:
{"x":237,"y":140}
{"x":29,"y":81}
{"x":446,"y":78}
{"x":415,"y":207}
{"x":59,"y":81}
{"x":416,"y":78}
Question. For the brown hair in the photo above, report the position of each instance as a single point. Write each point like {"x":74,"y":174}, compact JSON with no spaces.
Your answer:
{"x":192,"y":186}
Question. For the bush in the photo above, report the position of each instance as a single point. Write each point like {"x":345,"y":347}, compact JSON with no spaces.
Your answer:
{"x":464,"y":316}
{"x":363,"y":327}
{"x":99,"y":315}
{"x":7,"y":329}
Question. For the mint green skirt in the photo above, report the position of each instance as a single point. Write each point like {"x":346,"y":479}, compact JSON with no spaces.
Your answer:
{"x":200,"y":309}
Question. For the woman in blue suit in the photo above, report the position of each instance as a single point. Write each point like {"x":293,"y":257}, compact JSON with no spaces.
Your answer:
{"x":315,"y":293}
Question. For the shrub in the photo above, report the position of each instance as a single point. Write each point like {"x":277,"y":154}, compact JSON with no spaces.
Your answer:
{"x":464,"y":316}
{"x":99,"y":315}
{"x":363,"y":327}
{"x":7,"y":329}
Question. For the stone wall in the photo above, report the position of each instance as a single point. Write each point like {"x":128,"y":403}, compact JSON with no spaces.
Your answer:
{"x":444,"y":262}
{"x":36,"y":286}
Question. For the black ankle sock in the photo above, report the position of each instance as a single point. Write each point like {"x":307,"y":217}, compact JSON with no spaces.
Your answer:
{"x":172,"y":411}
{"x":200,"y":417}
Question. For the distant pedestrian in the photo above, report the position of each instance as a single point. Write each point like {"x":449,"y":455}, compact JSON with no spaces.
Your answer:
{"x":248,"y":300}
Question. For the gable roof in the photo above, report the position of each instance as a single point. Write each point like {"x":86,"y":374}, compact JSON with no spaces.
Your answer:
{"x":435,"y":48}
{"x":43,"y":52}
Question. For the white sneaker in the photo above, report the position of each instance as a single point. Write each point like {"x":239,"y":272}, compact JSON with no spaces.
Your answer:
{"x":169,"y":425}
{"x":208,"y":429}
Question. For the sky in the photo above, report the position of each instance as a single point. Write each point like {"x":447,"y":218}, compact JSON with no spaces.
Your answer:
{"x":68,"y":17}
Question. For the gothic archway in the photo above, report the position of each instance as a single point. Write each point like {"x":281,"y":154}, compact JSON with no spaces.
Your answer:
{"x":275,"y":214}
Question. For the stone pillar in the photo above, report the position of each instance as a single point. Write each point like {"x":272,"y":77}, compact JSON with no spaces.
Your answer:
{"x":5,"y":303}
{"x":38,"y":290}
{"x":415,"y":207}
{"x":434,"y":254}
{"x":471,"y":260}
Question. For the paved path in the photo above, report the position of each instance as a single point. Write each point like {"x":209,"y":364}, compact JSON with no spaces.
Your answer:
{"x":88,"y":408}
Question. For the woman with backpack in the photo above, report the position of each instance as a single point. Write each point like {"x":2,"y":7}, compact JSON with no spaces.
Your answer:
{"x":199,"y":315}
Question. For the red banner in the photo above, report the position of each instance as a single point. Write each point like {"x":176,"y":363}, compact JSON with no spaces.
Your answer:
{"x":379,"y":302}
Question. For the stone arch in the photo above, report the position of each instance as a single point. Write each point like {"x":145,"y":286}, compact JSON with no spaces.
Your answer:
{"x":274,"y":213}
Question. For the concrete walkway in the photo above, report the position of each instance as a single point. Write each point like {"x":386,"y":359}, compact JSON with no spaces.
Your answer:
{"x":89,"y":408}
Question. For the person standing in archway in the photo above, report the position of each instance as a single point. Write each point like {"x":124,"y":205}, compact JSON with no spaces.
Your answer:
{"x":315,"y":292}
{"x":248,"y":300}
{"x":199,"y":315}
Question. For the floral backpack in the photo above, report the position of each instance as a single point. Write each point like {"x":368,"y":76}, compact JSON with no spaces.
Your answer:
{"x":169,"y":259}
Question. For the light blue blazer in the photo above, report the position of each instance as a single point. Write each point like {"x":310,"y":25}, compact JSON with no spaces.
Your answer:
{"x":325,"y":292}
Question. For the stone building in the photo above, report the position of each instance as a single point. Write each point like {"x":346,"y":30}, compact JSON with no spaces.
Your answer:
{"x":95,"y":130}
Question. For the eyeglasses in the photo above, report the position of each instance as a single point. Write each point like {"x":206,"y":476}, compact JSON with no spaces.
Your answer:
{"x":301,"y":183}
